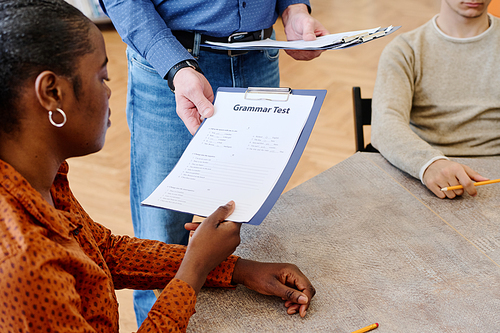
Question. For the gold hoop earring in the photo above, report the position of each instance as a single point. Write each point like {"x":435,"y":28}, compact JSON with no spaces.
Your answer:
{"x":58,"y":124}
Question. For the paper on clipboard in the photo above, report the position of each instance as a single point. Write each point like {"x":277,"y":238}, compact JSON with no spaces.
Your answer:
{"x":246,"y":152}
{"x":332,"y":41}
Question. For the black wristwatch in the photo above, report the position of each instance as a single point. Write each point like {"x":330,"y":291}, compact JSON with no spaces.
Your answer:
{"x":183,"y":64}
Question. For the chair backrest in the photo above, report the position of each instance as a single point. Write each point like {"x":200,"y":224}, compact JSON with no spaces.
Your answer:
{"x":362,"y":117}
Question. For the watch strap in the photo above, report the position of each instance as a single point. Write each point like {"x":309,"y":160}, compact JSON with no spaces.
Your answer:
{"x":177,"y":67}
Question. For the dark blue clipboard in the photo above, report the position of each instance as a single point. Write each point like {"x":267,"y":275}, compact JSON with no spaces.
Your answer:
{"x":338,"y":45}
{"x":296,"y":154}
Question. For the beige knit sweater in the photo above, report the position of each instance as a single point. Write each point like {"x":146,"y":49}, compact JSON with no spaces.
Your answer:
{"x":437,"y":95}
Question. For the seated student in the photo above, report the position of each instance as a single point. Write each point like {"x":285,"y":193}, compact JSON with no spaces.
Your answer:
{"x":437,"y":94}
{"x":58,"y":268}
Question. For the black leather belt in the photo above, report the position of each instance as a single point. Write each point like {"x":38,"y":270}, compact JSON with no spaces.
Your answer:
{"x":186,"y":38}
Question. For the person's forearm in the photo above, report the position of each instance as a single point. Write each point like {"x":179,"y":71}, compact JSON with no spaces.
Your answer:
{"x":141,"y":264}
{"x":293,"y":10}
{"x":396,"y":141}
{"x":191,"y":274}
{"x":283,"y":5}
{"x":165,"y":259}
{"x":391,"y":107}
{"x":172,"y":310}
{"x":148,"y":35}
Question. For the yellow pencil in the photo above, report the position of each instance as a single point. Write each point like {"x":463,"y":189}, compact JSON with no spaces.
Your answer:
{"x":367,"y":328}
{"x":452,"y":188}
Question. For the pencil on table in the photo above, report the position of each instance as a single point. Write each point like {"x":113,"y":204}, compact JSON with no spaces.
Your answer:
{"x":367,"y":328}
{"x":458,"y":187}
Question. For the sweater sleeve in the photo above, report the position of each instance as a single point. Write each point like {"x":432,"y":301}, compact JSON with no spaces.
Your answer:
{"x":391,"y":107}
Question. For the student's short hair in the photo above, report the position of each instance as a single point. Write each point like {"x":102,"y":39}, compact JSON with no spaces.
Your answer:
{"x":37,"y":35}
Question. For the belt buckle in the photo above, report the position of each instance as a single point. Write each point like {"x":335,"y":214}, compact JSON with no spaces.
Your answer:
{"x":231,"y":39}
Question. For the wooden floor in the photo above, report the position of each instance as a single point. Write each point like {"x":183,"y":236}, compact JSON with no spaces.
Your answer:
{"x":100,"y":181}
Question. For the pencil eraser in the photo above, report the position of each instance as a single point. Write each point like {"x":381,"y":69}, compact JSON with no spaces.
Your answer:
{"x":376,"y":324}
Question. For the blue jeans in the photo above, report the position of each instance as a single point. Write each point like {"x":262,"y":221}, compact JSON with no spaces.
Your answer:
{"x":159,"y":137}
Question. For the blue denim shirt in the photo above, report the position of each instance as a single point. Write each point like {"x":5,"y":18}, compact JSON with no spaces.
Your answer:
{"x":145,"y":25}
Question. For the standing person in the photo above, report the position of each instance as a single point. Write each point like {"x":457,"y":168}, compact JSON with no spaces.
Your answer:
{"x":437,"y":94}
{"x":164,"y":55}
{"x":58,"y":268}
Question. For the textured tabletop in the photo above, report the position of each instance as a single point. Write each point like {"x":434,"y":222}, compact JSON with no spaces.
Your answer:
{"x":378,"y":247}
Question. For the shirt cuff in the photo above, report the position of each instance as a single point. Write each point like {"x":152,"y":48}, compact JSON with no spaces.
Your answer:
{"x":222,"y":275}
{"x":172,"y":309}
{"x":282,"y":5}
{"x":165,"y":53}
{"x":426,"y":165}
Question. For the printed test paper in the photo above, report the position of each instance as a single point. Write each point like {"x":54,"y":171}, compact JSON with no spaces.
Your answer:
{"x":238,"y":154}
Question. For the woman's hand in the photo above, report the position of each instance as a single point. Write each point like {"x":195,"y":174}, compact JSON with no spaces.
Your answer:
{"x":213,"y":241}
{"x":282,"y":280}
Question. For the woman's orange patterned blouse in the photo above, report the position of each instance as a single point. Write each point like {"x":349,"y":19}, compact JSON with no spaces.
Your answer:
{"x":59,"y":269}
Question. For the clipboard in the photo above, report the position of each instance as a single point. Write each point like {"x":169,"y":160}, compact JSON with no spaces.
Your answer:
{"x":336,"y":41}
{"x":299,"y":147}
{"x":191,"y":195}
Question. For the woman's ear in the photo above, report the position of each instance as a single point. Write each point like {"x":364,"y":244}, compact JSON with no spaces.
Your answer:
{"x":48,"y":89}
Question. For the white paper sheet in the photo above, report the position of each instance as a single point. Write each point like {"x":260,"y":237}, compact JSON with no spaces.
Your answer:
{"x":319,"y":43}
{"x":237,"y":154}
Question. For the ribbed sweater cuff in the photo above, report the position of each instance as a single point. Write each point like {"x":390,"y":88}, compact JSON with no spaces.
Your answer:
{"x":426,"y":165}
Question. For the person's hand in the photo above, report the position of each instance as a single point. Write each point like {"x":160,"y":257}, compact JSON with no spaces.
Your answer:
{"x":194,"y":97}
{"x":299,"y":25}
{"x":282,"y":280}
{"x":444,"y":173}
{"x":191,"y":227}
{"x":213,"y":241}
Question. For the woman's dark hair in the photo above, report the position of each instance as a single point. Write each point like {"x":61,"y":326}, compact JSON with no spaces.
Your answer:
{"x":37,"y":35}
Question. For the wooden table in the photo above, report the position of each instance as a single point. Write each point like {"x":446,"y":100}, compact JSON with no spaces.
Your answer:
{"x":378,"y":247}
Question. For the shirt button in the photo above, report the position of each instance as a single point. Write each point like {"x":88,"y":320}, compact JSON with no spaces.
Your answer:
{"x":244,"y":4}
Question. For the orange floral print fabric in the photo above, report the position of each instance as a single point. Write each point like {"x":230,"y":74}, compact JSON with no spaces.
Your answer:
{"x":59,"y":269}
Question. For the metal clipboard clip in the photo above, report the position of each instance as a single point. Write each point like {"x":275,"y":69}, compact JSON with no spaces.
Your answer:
{"x":377,"y":34}
{"x":348,"y":39}
{"x":270,"y":94}
{"x":372,"y":36}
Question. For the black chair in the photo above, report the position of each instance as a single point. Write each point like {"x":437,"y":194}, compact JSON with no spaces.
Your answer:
{"x":362,"y":117}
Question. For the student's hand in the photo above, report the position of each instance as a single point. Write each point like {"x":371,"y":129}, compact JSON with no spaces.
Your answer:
{"x":299,"y":25}
{"x":282,"y":280}
{"x":194,"y":97}
{"x":213,"y":241}
{"x":444,"y":173}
